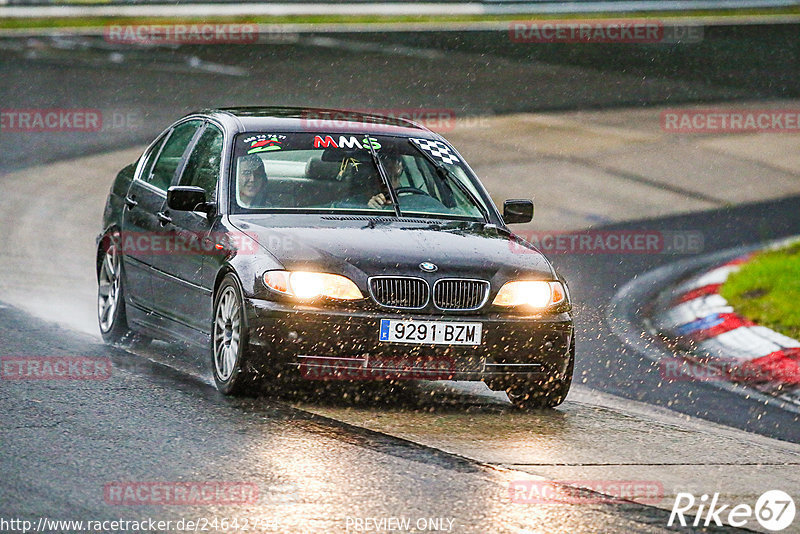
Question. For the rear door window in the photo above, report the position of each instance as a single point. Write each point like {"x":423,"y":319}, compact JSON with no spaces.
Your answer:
{"x":172,"y":154}
{"x":202,"y":168}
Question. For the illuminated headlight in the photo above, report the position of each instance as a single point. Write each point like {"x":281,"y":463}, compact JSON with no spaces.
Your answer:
{"x":306,"y":286}
{"x":536,"y":294}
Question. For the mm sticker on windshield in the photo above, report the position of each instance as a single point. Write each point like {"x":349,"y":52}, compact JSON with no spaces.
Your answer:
{"x":350,"y":142}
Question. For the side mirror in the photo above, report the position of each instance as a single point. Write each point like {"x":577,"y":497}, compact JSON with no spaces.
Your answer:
{"x":187,"y":198}
{"x":517,"y":211}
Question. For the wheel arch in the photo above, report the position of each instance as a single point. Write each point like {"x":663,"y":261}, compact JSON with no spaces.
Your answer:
{"x":223,"y":271}
{"x":102,"y":245}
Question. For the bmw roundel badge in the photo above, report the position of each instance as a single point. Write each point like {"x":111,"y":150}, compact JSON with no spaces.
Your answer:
{"x":428,"y":267}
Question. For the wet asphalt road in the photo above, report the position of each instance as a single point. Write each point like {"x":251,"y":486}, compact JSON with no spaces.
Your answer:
{"x":60,"y":448}
{"x":65,"y":441}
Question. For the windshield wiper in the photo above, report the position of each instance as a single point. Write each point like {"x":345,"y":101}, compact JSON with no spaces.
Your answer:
{"x":384,"y":177}
{"x":446,"y":174}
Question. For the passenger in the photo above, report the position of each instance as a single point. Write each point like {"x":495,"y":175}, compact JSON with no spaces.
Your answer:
{"x":251,"y":182}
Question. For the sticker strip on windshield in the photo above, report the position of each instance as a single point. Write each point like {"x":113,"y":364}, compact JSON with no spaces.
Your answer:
{"x":264,"y":143}
{"x":437,"y":150}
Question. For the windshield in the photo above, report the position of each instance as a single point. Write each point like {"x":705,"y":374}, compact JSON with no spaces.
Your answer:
{"x":333,"y":172}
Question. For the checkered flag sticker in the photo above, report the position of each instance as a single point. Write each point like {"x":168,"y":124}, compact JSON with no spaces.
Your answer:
{"x":436,"y":149}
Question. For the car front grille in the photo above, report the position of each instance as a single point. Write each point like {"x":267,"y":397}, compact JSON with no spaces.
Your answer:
{"x":399,"y":292}
{"x":459,"y":294}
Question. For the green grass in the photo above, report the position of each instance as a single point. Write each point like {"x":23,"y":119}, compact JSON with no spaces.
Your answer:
{"x":767,"y":290}
{"x":85,"y":22}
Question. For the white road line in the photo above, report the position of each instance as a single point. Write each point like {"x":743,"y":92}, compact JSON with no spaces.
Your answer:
{"x":254,"y":9}
{"x":385,"y":8}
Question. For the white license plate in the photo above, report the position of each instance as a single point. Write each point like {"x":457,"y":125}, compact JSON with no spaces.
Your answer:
{"x":430,"y":332}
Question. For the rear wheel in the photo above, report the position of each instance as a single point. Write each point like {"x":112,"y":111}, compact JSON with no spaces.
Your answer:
{"x":543,"y":394}
{"x":229,"y":345}
{"x":111,"y":317}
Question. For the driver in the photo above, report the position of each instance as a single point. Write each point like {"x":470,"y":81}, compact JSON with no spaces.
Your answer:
{"x":251,"y":182}
{"x":394,"y":169}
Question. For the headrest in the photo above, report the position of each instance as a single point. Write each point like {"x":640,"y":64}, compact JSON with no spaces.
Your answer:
{"x":316,"y":169}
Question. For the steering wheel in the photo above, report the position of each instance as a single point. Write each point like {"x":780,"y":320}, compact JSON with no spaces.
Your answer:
{"x":411,"y":191}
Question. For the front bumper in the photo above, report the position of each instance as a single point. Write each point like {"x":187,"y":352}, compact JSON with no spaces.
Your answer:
{"x":329,"y":344}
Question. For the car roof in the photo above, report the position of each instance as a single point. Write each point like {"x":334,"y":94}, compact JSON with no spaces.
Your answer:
{"x":323,"y":120}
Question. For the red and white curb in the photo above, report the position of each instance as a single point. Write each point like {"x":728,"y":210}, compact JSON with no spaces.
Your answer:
{"x":723,"y":344}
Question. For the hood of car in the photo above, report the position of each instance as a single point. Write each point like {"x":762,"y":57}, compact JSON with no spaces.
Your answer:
{"x":388,"y":246}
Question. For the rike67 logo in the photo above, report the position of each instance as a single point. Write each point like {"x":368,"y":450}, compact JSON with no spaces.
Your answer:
{"x":774,"y":510}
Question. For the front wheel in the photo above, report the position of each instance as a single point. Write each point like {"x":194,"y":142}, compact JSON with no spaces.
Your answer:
{"x":544,"y":394}
{"x":111,"y":316}
{"x":229,"y":343}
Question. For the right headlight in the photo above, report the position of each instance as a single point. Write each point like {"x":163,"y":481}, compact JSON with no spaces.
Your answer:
{"x":310,"y":285}
{"x":533,"y":294}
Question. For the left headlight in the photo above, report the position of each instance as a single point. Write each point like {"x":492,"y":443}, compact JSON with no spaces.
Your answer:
{"x":309,"y":285}
{"x":535,"y":294}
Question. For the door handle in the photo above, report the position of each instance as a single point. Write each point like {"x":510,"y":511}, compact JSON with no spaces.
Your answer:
{"x":130,"y":202}
{"x":164,"y":218}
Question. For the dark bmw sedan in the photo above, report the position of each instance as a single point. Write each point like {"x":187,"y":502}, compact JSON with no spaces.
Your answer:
{"x":329,"y":245}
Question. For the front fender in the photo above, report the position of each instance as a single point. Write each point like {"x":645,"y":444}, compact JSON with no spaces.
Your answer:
{"x":248,"y":262}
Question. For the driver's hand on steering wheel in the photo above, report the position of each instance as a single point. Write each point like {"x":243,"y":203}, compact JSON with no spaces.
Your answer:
{"x":379,"y":200}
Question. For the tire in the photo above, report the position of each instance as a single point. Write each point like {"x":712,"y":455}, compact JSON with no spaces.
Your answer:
{"x":230,"y":351}
{"x":544,"y":394}
{"x":111,"y":316}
